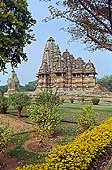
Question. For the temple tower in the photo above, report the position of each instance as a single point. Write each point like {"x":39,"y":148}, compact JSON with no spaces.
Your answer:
{"x":13,"y":83}
{"x":63,"y":71}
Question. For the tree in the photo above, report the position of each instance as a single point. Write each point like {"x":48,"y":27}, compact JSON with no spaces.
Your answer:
{"x":3,"y":102}
{"x":90,"y":21}
{"x":31,"y":86}
{"x":106,"y":82}
{"x":19,"y":100}
{"x":15,"y":31}
{"x":4,"y":88}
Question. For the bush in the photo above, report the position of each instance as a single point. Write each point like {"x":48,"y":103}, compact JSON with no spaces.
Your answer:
{"x":82,"y":153}
{"x":62,"y":99}
{"x":5,"y":134}
{"x":71,"y":100}
{"x":44,"y":112}
{"x":3,"y":104}
{"x":86,"y":118}
{"x":95,"y":101}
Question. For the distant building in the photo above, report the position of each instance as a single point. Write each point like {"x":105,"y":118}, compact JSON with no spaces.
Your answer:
{"x":13,"y":83}
{"x":63,"y":71}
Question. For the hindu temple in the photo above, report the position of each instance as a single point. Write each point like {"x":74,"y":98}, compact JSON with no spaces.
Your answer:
{"x":63,"y":71}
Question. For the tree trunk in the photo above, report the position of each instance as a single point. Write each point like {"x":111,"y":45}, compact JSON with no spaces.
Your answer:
{"x":19,"y":108}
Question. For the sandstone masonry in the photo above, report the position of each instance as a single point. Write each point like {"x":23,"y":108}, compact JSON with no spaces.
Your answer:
{"x":63,"y":72}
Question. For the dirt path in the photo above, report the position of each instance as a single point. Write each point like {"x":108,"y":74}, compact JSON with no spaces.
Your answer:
{"x":7,"y":163}
{"x":15,"y":123}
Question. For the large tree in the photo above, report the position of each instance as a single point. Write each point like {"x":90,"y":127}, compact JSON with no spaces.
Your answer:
{"x":15,"y":31}
{"x":90,"y":21}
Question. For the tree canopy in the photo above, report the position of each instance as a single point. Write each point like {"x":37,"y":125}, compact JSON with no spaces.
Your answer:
{"x":15,"y":31}
{"x":19,"y":100}
{"x":89,"y":20}
{"x":31,"y":86}
{"x":106,"y":82}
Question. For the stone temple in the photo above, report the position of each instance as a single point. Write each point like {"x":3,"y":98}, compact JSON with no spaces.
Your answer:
{"x":13,"y":83}
{"x":64,"y":72}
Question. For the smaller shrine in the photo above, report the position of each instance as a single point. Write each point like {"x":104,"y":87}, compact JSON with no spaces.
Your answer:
{"x":13,"y":83}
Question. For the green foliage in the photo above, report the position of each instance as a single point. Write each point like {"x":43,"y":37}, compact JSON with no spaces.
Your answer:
{"x":5,"y":134}
{"x":21,"y":154}
{"x":4,"y":88}
{"x":3,"y":102}
{"x":15,"y":31}
{"x":44,"y":112}
{"x":95,"y":100}
{"x":19,"y":100}
{"x":31,"y":86}
{"x":106,"y":82}
{"x":48,"y":99}
{"x":66,"y":139}
{"x":62,"y":99}
{"x":86,"y":118}
{"x":71,"y":100}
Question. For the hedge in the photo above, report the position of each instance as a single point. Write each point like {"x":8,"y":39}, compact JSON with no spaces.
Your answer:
{"x":82,"y":153}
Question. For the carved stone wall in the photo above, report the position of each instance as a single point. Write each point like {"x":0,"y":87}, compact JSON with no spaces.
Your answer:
{"x":63,"y":71}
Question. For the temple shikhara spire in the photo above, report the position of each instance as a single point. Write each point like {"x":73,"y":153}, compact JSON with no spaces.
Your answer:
{"x":13,"y":83}
{"x":63,"y":71}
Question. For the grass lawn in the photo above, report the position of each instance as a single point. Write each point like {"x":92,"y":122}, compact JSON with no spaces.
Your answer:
{"x":69,"y":111}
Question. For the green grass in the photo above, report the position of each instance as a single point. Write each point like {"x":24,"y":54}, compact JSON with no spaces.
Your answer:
{"x":66,"y":139}
{"x":24,"y":156}
{"x":71,"y":112}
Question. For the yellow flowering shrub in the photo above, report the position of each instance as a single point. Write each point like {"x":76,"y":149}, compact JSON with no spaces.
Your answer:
{"x":31,"y":167}
{"x":81,"y":153}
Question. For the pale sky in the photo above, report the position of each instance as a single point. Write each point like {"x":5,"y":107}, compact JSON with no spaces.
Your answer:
{"x":27,"y":70}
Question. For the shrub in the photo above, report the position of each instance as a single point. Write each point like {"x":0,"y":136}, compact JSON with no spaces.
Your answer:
{"x":44,"y":112}
{"x":82,"y":153}
{"x":5,"y":134}
{"x":95,"y":100}
{"x":48,"y":99}
{"x":62,"y":99}
{"x":86,"y":118}
{"x":71,"y":100}
{"x":19,"y":100}
{"x":3,"y":104}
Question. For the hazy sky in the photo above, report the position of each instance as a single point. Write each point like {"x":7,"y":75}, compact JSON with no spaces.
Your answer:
{"x":27,"y":70}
